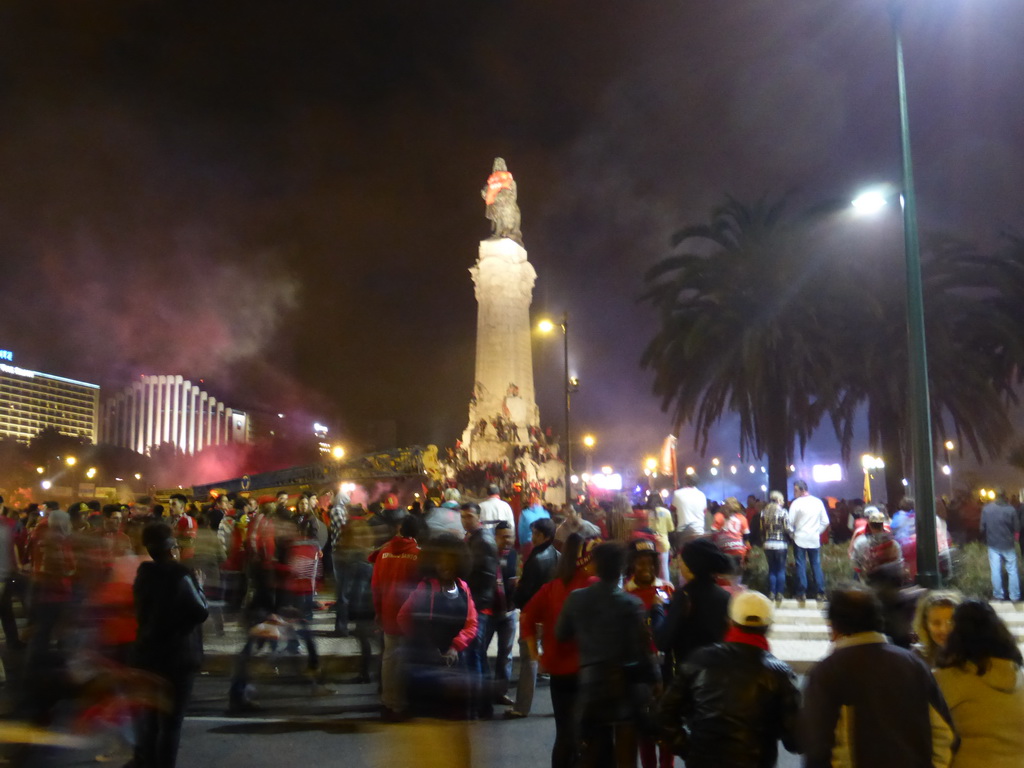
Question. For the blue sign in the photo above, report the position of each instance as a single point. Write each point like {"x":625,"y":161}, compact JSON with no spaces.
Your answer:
{"x":6,"y":354}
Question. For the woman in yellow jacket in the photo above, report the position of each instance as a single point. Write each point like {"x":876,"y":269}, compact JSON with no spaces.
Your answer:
{"x":981,"y":679}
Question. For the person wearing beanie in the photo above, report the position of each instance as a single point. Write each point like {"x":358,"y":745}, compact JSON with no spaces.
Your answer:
{"x":697,"y":614}
{"x":732,"y":702}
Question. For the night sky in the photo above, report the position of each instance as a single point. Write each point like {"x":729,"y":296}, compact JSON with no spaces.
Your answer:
{"x":283,"y":198}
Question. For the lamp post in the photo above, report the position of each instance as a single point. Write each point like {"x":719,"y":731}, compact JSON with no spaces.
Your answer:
{"x":920,"y":409}
{"x":589,"y":441}
{"x":572,"y":385}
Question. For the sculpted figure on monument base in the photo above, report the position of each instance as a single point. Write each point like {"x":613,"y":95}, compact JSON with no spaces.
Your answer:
{"x":502,"y":206}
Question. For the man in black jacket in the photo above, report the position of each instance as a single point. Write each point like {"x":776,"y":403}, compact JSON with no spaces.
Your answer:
{"x":482,"y":584}
{"x":537,"y":571}
{"x":730,"y":703}
{"x":169,"y":606}
{"x":617,"y":664}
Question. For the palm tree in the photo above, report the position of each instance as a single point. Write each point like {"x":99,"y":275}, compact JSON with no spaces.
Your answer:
{"x":974,"y":352}
{"x":748,"y":308}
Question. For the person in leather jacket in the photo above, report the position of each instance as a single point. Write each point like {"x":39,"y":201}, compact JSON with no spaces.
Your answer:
{"x":482,"y":584}
{"x":538,"y":570}
{"x":169,"y":607}
{"x":732,"y":702}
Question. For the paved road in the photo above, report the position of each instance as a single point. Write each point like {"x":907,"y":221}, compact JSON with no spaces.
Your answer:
{"x":296,"y":729}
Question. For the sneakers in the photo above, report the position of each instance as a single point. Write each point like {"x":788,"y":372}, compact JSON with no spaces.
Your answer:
{"x":778,"y":599}
{"x":514,"y":714}
{"x":801,"y":601}
{"x":821,"y":600}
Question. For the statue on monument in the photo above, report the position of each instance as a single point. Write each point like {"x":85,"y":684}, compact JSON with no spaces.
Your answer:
{"x":502,"y":208}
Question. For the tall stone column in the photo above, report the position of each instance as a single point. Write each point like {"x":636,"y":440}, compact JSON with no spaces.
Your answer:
{"x":503,"y":280}
{"x":150,"y":400}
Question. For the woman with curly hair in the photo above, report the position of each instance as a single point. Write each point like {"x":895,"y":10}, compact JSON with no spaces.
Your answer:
{"x":980,"y":675}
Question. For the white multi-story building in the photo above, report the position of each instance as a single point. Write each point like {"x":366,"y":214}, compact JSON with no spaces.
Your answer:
{"x":158,"y":410}
{"x":31,"y":401}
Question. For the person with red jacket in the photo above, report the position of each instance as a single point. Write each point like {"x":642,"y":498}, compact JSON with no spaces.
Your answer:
{"x":395,"y":572}
{"x":184,"y":527}
{"x":438,"y":622}
{"x":575,"y":570}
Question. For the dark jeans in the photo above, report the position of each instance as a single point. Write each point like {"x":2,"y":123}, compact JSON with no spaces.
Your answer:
{"x":776,"y":570}
{"x":352,"y":584}
{"x":158,"y":733}
{"x":563,"y":701}
{"x":14,"y":586}
{"x":476,"y":665}
{"x":802,"y":556}
{"x":505,"y":628}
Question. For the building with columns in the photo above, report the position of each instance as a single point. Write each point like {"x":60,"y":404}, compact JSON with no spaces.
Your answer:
{"x":158,"y":410}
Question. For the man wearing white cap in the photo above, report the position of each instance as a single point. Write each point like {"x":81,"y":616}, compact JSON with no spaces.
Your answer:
{"x":730,"y":703}
{"x":877,"y":549}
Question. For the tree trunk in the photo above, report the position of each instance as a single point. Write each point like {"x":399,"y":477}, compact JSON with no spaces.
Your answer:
{"x":892,"y":453}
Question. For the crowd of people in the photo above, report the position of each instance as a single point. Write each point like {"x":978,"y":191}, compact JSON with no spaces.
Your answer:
{"x":635,"y":616}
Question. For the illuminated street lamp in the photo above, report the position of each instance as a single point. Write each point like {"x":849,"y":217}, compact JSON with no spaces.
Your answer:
{"x":572,"y":384}
{"x":338,"y":453}
{"x":138,"y":475}
{"x":589,"y":441}
{"x":46,"y":485}
{"x":40,"y":470}
{"x":71,"y":461}
{"x":91,"y":473}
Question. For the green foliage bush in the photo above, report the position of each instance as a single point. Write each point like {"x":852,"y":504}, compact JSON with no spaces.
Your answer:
{"x":970,"y":569}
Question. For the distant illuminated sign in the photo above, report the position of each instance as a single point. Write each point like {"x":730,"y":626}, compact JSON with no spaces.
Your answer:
{"x":610,"y":482}
{"x":319,"y":429}
{"x":14,"y":370}
{"x":827,"y":473}
{"x":6,"y":354}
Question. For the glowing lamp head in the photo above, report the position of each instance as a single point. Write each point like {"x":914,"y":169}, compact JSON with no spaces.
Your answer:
{"x":870,"y":201}
{"x":545,"y":326}
{"x":338,"y":452}
{"x":71,"y":461}
{"x":650,"y":463}
{"x":589,"y":441}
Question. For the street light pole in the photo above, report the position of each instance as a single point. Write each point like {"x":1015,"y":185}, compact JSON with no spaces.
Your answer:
{"x":920,"y":408}
{"x":568,"y":402}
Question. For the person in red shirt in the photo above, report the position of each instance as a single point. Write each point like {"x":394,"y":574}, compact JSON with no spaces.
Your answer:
{"x":652,"y":591}
{"x":184,"y":527}
{"x":53,"y":567}
{"x":395,"y":573}
{"x":575,"y":570}
{"x":731,"y":529}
